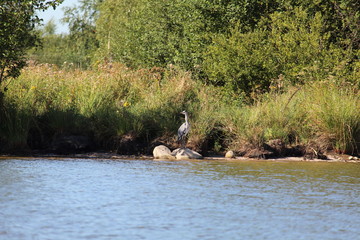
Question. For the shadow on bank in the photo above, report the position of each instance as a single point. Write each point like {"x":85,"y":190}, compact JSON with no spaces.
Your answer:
{"x":23,"y":132}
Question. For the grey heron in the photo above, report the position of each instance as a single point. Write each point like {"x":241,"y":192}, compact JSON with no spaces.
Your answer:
{"x":184,"y":129}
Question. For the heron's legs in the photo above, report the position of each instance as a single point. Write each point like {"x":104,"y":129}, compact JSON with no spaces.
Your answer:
{"x":183,"y":142}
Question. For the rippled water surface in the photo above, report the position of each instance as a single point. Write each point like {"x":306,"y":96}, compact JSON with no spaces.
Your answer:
{"x":137,"y":199}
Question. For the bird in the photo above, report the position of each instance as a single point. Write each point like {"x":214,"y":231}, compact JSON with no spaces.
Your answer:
{"x":184,"y":129}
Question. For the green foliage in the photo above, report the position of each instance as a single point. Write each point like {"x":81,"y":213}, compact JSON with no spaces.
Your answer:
{"x":290,"y":47}
{"x":242,"y":45}
{"x":104,"y":104}
{"x":237,"y":50}
{"x":108,"y":104}
{"x":17,"y":22}
{"x":238,"y":62}
{"x":319,"y":113}
{"x":81,"y":41}
{"x":335,"y":114}
{"x":158,"y":33}
{"x":54,"y":49}
{"x":76,"y":49}
{"x":14,"y":126}
{"x":49,"y":28}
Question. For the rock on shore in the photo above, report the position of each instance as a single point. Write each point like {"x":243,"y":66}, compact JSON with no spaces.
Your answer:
{"x":230,"y":154}
{"x":163,"y":152}
{"x":185,"y":154}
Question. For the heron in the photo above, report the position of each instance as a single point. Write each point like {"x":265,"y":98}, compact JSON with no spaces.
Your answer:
{"x":184,"y":129}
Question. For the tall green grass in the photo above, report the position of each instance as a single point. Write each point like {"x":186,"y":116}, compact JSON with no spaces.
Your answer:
{"x":113,"y":101}
{"x":322,"y":113}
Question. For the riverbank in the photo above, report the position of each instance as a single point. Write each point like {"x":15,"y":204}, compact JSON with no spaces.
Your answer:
{"x":331,"y":157}
{"x":127,"y":111}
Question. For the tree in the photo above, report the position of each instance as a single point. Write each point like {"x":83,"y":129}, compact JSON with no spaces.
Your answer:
{"x":73,"y":49}
{"x":17,"y":24}
{"x":160,"y":32}
{"x":243,"y":45}
{"x":82,"y":36}
{"x":49,"y":28}
{"x":287,"y":48}
{"x":54,"y":48}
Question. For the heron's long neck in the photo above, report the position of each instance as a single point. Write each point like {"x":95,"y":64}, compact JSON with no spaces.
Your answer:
{"x":186,"y":118}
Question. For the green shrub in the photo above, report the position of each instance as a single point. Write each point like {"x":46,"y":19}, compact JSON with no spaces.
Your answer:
{"x":290,"y":47}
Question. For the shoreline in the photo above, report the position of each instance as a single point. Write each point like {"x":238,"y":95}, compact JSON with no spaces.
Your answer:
{"x":331,"y":158}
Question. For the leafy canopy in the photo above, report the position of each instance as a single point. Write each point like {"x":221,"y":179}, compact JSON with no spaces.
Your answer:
{"x":242,"y":45}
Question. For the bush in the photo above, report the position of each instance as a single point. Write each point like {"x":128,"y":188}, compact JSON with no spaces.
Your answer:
{"x":289,"y":48}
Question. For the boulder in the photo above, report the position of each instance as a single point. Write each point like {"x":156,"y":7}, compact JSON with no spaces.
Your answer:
{"x":185,"y":154}
{"x":230,"y":154}
{"x":162,"y":152}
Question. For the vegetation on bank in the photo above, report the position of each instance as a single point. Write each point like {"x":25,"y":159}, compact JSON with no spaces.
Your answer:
{"x":113,"y":102}
{"x":258,"y":77}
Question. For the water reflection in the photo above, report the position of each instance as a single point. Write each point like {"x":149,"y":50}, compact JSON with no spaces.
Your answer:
{"x":106,"y":199}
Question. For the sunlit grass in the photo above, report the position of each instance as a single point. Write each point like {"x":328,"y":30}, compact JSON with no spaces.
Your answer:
{"x":320,"y":112}
{"x":111,"y":101}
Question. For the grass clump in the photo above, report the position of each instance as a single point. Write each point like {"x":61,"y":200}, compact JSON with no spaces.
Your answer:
{"x":320,"y":114}
{"x":335,"y":114}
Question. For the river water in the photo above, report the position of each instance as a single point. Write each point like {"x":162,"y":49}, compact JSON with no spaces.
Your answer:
{"x":143,"y":199}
